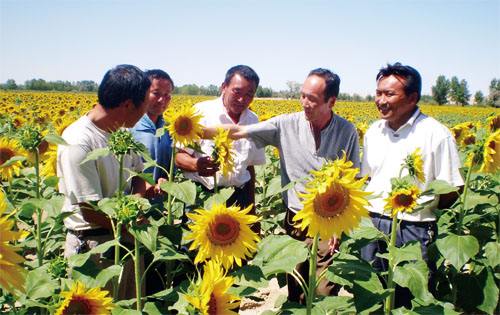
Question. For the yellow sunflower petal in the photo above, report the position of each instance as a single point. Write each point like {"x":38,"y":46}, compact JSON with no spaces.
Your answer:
{"x":79,"y":300}
{"x":184,"y":125}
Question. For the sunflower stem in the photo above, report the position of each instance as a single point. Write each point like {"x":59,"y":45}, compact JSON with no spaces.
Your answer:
{"x":116,"y":280}
{"x":39,"y":249}
{"x":120,"y":176}
{"x":389,"y":302}
{"x":170,"y":220}
{"x":216,"y":189}
{"x":137,"y":263}
{"x":462,"y":205}
{"x":312,"y":274}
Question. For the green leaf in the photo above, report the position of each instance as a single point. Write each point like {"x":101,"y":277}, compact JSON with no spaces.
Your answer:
{"x":336,"y":305}
{"x":168,"y":254}
{"x":80,"y":259}
{"x":95,"y":154}
{"x":250,"y":276}
{"x":184,"y":191}
{"x":435,"y":309}
{"x":219,"y":198}
{"x":346,"y":268}
{"x":414,"y":276}
{"x":492,"y":254}
{"x":51,"y":181}
{"x":439,"y":187}
{"x":39,"y":284}
{"x":151,"y":308}
{"x":13,"y":160}
{"x":369,"y":294}
{"x":107,"y":274}
{"x":458,"y":249}
{"x":55,"y":139}
{"x":108,"y":206}
{"x":408,"y":252}
{"x":123,"y":311}
{"x":273,"y":254}
{"x":490,"y":291}
{"x":147,"y":235}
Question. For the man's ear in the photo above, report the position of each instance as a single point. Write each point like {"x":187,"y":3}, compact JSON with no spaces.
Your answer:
{"x":331,"y":101}
{"x":413,"y":98}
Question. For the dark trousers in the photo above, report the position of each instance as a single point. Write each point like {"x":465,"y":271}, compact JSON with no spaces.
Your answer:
{"x":324,"y":260}
{"x":423,"y":232}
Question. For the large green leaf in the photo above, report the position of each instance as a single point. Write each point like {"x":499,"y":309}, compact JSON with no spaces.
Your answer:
{"x":219,"y":198}
{"x":408,"y":252}
{"x":477,"y":291}
{"x":439,"y":187}
{"x":55,"y":139}
{"x":492,"y":254}
{"x":184,"y":191}
{"x":435,"y":309}
{"x":279,"y":254}
{"x":414,"y":276}
{"x":152,"y":308}
{"x":39,"y":284}
{"x":80,"y":259}
{"x":345,"y":269}
{"x":336,"y":305}
{"x":369,"y":294}
{"x":147,"y":235}
{"x":168,"y":254}
{"x":107,"y":274}
{"x":250,"y":276}
{"x":490,"y":291}
{"x":95,"y":154}
{"x":458,"y":249}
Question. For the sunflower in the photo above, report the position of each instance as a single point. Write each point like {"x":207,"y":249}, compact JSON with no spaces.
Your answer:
{"x":415,"y":165}
{"x":402,"y":199}
{"x":223,"y":151}
{"x":13,"y":275}
{"x":493,"y":123}
{"x":361,"y":128}
{"x":223,"y":233}
{"x":462,"y":131}
{"x":491,"y":153}
{"x":49,"y":161}
{"x":79,"y":300}
{"x":338,"y":167}
{"x":210,"y":296}
{"x":10,"y":148}
{"x":184,"y":124}
{"x":333,"y":205}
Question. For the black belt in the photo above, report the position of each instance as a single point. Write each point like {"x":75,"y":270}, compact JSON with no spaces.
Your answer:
{"x":91,"y":232}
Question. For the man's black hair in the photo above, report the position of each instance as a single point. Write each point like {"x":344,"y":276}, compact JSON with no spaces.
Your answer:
{"x":413,"y":81}
{"x":159,"y":75}
{"x":122,"y":83}
{"x":332,"y":81}
{"x":245,"y":71}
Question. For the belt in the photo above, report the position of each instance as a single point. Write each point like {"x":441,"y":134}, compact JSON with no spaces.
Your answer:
{"x":91,"y":232}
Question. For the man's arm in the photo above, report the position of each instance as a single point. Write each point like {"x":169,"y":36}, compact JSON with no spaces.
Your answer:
{"x":235,"y":131}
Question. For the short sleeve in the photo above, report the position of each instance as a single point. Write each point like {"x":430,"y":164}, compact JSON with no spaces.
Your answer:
{"x":448,"y":162}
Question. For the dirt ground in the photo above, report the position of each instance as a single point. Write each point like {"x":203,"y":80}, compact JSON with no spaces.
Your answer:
{"x":268,"y":295}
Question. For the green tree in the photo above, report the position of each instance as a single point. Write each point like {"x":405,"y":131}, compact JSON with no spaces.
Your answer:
{"x":10,"y":84}
{"x":263,"y":92}
{"x":441,"y":89}
{"x":494,"y":95}
{"x":459,"y":92}
{"x":478,"y":98}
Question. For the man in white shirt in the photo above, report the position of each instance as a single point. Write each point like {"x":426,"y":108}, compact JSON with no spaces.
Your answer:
{"x":402,"y":129}
{"x":238,"y":90}
{"x":122,"y":103}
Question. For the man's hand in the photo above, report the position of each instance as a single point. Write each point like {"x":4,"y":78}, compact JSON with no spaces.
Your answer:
{"x":333,"y":245}
{"x":206,"y":167}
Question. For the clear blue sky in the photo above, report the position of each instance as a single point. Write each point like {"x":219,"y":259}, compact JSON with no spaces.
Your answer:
{"x":197,"y":41}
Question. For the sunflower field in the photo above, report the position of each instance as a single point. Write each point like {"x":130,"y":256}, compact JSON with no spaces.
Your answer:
{"x":211,"y":258}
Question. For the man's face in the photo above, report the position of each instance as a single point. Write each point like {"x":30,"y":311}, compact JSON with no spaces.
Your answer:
{"x":237,"y":95}
{"x":312,"y":98}
{"x":159,"y":96}
{"x":392,"y":102}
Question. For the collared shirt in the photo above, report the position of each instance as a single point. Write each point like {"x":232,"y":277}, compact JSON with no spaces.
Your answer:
{"x":294,"y":138}
{"x":245,"y":152}
{"x":160,"y":148}
{"x":385,"y":150}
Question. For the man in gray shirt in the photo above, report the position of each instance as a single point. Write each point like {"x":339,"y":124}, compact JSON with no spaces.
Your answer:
{"x":306,"y":140}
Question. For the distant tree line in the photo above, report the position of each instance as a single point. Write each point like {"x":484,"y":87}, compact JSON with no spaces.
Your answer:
{"x":42,"y":85}
{"x":456,"y":91}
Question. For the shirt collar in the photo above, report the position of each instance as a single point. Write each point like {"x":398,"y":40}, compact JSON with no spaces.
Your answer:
{"x":243,"y":115}
{"x":409,"y":122}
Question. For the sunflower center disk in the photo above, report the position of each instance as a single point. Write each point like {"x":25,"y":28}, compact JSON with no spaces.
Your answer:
{"x":183,"y":126}
{"x":224,"y":230}
{"x":332,"y":202}
{"x":404,"y":200}
{"x":5,"y":155}
{"x":212,"y":305}
{"x":79,"y":305}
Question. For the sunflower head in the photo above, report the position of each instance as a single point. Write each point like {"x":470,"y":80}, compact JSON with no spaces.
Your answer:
{"x":209,"y":295}
{"x":184,"y":124}
{"x":122,"y":142}
{"x":415,"y":165}
{"x":30,"y":137}
{"x":491,"y":153}
{"x":223,"y":233}
{"x":334,"y":202}
{"x":223,"y":152}
{"x":402,"y":199}
{"x":128,"y":208}
{"x":79,"y":300}
{"x":493,"y":123}
{"x":10,"y":148}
